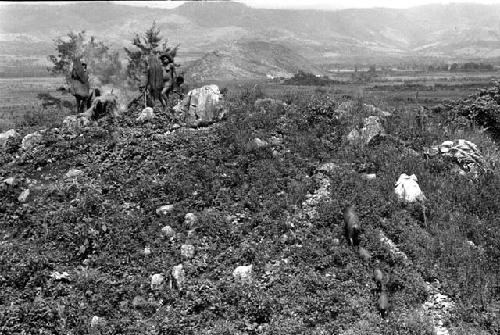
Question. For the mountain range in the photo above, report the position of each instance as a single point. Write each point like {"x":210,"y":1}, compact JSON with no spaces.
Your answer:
{"x":251,"y":42}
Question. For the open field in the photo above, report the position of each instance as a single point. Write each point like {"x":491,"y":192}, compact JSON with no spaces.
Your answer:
{"x":18,"y":97}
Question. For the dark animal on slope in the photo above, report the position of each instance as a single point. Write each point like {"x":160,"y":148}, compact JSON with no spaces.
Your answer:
{"x":378,"y":276}
{"x":383,"y":303}
{"x":79,"y":85}
{"x":351,"y":225}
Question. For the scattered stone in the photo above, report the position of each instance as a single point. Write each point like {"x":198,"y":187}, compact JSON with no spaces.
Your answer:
{"x":178,"y":275}
{"x":31,"y":140}
{"x":97,"y":322}
{"x":10,"y":181}
{"x":139,"y":302}
{"x":243,"y":274}
{"x":147,"y":114}
{"x":190,"y":219}
{"x":6,"y":135}
{"x":59,"y":276}
{"x":165,"y":209}
{"x":157,"y":281}
{"x":74,"y":122}
{"x":369,"y":176}
{"x":73,"y":173}
{"x":23,"y":197}
{"x":168,"y":231}
{"x":364,"y":254}
{"x":176,"y":126}
{"x":260,"y":143}
{"x":187,"y":250}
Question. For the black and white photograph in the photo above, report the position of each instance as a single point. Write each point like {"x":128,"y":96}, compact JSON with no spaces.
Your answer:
{"x":250,"y":167}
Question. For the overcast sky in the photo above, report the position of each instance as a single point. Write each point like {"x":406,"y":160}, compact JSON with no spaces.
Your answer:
{"x":296,"y":4}
{"x":320,"y":4}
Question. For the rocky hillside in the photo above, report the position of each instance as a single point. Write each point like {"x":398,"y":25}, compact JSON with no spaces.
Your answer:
{"x":450,"y":32}
{"x":148,"y":228}
{"x":249,"y":60}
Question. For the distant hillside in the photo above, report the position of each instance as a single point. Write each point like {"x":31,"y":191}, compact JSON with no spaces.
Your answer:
{"x":250,"y":59}
{"x":454,"y":32}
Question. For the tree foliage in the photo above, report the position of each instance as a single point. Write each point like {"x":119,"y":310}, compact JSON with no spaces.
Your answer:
{"x":103,"y":64}
{"x":146,"y":45}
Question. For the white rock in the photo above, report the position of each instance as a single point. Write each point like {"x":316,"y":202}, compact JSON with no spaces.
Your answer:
{"x":6,"y":135}
{"x":9,"y":181}
{"x":168,"y":231}
{"x":190,"y":219}
{"x":97,"y":321}
{"x":24,"y":195}
{"x":59,"y":276}
{"x":369,"y":176}
{"x":165,"y":209}
{"x":187,"y":250}
{"x":147,"y":114}
{"x":178,"y":274}
{"x":31,"y":140}
{"x":147,"y":251}
{"x":73,"y":173}
{"x":157,"y":281}
{"x":407,"y":189}
{"x":260,"y":143}
{"x":243,"y":274}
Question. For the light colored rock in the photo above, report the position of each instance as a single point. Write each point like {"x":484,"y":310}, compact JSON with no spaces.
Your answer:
{"x":97,"y":322}
{"x":190,"y":219}
{"x":187,"y":250}
{"x":369,"y":176}
{"x":178,"y":275}
{"x":74,"y":173}
{"x":4,"y":137}
{"x":372,"y":127}
{"x":9,"y":181}
{"x":147,"y":114}
{"x":364,"y":254}
{"x":23,"y":197}
{"x":157,"y":281}
{"x":201,"y":106}
{"x":407,"y":189}
{"x":59,"y":276}
{"x":31,"y":140}
{"x":74,"y":122}
{"x":243,"y":274}
{"x":165,"y":209}
{"x":260,"y":143}
{"x":147,"y":251}
{"x":168,"y":231}
{"x":139,"y":301}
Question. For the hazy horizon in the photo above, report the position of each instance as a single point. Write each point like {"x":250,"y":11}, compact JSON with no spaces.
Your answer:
{"x":283,"y":4}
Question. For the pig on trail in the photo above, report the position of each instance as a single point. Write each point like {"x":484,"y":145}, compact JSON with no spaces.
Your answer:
{"x":351,"y":225}
{"x":383,"y":302}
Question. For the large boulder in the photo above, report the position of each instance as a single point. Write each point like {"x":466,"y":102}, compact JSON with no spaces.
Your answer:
{"x":463,"y":153}
{"x":201,"y":106}
{"x":5,"y":136}
{"x":372,"y":127}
